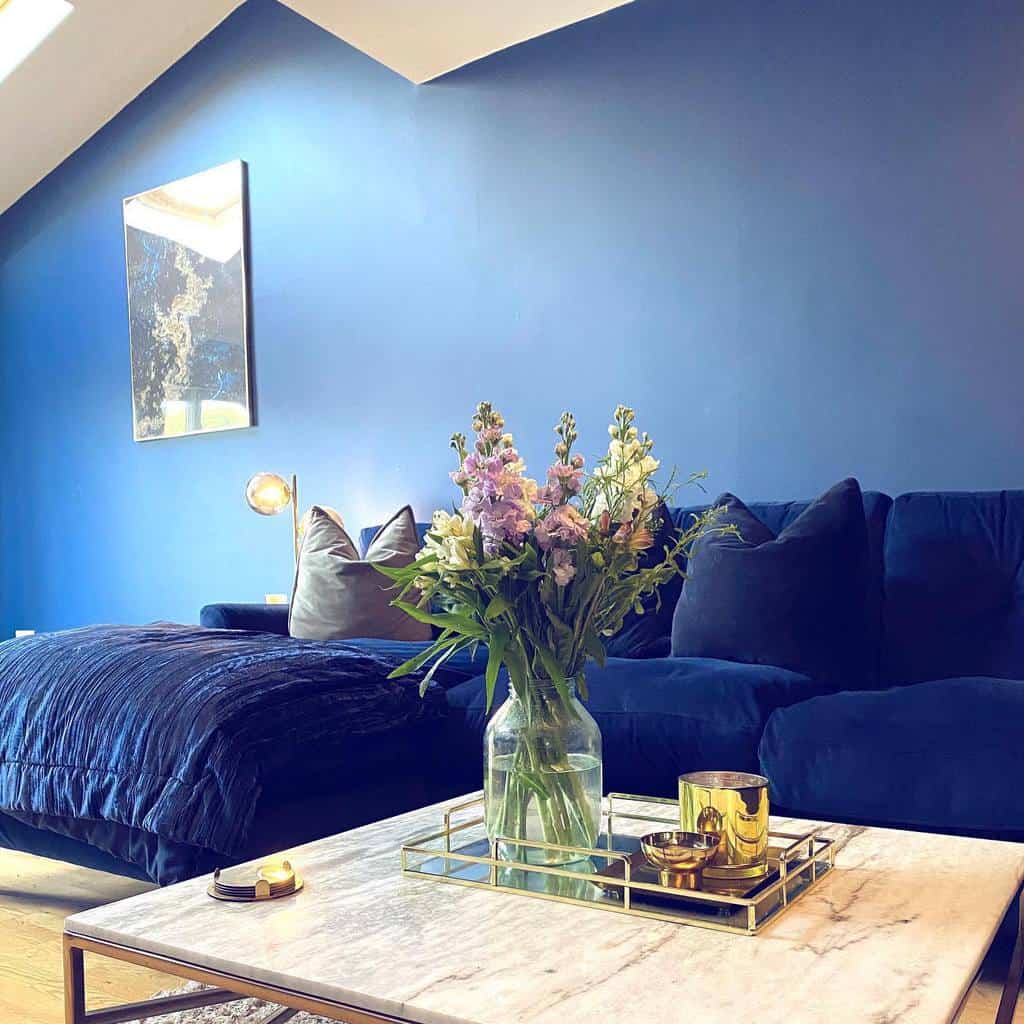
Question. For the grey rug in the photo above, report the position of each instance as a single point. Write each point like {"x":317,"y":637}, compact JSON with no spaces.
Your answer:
{"x":250,"y":1011}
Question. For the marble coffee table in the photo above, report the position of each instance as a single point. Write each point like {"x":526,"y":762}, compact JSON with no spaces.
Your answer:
{"x":896,"y":932}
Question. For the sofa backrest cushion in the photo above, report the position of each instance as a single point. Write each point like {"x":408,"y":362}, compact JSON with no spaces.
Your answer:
{"x":777,"y":515}
{"x":954,"y":587}
{"x":339,"y":596}
{"x":796,"y":600}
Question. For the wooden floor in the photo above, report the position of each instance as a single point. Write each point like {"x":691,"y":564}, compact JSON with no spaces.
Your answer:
{"x":36,"y":895}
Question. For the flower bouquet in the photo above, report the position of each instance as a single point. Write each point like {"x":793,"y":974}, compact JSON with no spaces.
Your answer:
{"x":542,"y":575}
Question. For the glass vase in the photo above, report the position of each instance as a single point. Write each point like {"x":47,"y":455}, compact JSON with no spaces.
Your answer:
{"x":542,"y":775}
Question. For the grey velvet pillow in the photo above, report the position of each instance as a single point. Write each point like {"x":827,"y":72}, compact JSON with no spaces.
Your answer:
{"x":338,"y":596}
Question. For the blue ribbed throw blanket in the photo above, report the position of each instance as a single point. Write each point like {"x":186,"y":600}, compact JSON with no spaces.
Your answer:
{"x":174,"y":729}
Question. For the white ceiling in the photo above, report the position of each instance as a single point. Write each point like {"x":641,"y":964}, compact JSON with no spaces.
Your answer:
{"x":108,"y":51}
{"x":422,"y":39}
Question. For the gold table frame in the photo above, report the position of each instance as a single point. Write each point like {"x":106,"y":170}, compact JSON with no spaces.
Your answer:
{"x":227,"y":988}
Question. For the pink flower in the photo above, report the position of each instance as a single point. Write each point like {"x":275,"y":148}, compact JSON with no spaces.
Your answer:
{"x":561,"y":565}
{"x":562,"y":527}
{"x":564,"y":481}
{"x":497,"y":499}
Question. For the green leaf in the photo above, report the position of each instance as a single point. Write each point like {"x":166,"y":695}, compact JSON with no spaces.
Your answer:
{"x":517,"y":668}
{"x":581,"y":685}
{"x":553,"y":669}
{"x":497,"y":605}
{"x":419,"y":660}
{"x":593,"y":646}
{"x":402,"y":572}
{"x":495,"y":653}
{"x":456,"y":646}
{"x":562,"y":629}
{"x":446,"y":620}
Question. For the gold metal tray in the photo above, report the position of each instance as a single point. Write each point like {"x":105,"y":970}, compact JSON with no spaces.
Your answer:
{"x":607,"y":877}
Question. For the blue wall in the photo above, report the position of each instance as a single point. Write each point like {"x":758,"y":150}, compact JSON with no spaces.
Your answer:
{"x":789,"y":233}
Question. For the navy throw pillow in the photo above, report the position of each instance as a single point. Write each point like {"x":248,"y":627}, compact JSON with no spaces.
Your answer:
{"x":648,"y":635}
{"x":797,"y":600}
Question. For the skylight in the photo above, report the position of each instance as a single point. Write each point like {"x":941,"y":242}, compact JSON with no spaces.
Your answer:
{"x":24,"y":24}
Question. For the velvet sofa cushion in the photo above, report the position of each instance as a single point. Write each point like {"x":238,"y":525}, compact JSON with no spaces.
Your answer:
{"x":649,"y":636}
{"x":798,"y":599}
{"x":954,"y":586}
{"x":258,"y":618}
{"x":261,"y":618}
{"x":338,"y":595}
{"x":942,"y":755}
{"x":777,"y":515}
{"x":658,"y":718}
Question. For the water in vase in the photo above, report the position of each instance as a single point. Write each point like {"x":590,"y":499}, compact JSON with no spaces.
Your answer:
{"x":554,"y":803}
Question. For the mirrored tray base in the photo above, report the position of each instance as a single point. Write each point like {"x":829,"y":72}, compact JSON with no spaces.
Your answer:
{"x":614,"y":875}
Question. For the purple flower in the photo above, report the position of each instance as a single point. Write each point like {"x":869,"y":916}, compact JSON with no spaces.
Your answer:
{"x":564,"y":481}
{"x":499,"y":498}
{"x":562,"y":527}
{"x":561,"y":565}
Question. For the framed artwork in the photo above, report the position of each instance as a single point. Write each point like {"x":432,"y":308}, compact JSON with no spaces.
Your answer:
{"x":188,"y":300}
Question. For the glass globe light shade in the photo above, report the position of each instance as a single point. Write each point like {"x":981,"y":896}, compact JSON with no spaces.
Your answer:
{"x":268,"y":494}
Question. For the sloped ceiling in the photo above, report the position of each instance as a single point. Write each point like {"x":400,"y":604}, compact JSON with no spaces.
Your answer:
{"x":95,"y":63}
{"x":108,"y":51}
{"x":423,"y":39}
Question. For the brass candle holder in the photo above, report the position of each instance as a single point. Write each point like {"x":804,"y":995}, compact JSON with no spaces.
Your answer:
{"x":679,"y":856}
{"x":248,"y":884}
{"x":733,"y":805}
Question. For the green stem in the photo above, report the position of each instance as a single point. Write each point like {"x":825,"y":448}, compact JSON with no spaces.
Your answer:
{"x":541,"y":775}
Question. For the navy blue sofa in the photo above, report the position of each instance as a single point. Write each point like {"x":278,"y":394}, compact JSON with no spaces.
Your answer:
{"x":931,"y":738}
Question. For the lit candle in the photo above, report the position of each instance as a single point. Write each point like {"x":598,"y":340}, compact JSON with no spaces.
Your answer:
{"x":275,"y":873}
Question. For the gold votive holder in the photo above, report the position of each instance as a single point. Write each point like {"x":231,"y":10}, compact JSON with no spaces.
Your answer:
{"x":680,"y":857}
{"x":248,"y":884}
{"x":733,"y":805}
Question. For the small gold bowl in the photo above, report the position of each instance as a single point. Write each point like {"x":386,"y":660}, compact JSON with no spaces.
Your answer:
{"x":680,"y":856}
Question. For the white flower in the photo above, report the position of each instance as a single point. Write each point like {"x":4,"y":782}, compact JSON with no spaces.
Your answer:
{"x":451,"y":540}
{"x":625,"y":475}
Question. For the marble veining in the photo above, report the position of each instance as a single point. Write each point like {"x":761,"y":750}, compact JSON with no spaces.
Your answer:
{"x":895,"y":933}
